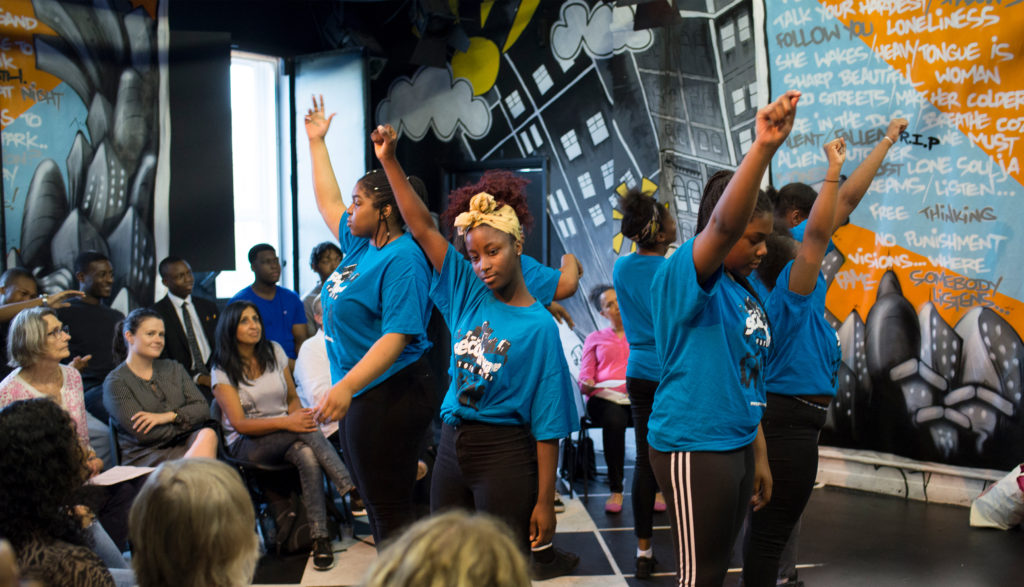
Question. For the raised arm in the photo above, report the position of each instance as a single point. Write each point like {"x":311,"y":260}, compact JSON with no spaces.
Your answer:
{"x":329,"y":200}
{"x":854,"y":188}
{"x":820,"y":222}
{"x":414,"y":210}
{"x":569,"y":280}
{"x":732,"y":213}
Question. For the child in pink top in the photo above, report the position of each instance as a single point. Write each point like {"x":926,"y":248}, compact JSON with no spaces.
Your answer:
{"x":603,"y":381}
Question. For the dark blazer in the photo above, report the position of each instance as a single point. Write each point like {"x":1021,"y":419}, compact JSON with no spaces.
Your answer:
{"x":175,"y":340}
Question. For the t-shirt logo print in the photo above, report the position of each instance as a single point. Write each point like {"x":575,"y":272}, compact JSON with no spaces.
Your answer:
{"x":755,"y":330}
{"x":337,"y":282}
{"x":478,"y":356}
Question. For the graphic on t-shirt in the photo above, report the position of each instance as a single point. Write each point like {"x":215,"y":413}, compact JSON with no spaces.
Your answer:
{"x":337,"y":282}
{"x":478,"y":356}
{"x":755,"y":330}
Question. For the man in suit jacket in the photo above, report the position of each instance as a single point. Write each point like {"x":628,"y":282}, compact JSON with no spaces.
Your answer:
{"x":176,"y":275}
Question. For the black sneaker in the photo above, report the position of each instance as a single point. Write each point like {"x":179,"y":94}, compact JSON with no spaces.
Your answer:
{"x":557,"y":564}
{"x":645,"y":566}
{"x":323,"y":554}
{"x":559,"y":504}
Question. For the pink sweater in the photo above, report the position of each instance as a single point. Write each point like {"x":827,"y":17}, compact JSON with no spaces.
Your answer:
{"x":605,"y":355}
{"x":13,"y":388}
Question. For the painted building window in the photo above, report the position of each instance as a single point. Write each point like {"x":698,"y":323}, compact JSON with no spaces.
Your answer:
{"x":571,"y":145}
{"x":743,"y":24}
{"x":542,"y":78}
{"x":525,"y":138}
{"x":254,"y":144}
{"x":557,"y":203}
{"x":752,"y":90}
{"x":515,"y":104}
{"x":597,"y":128}
{"x":613,"y":201}
{"x":739,"y":101}
{"x":728,"y":34}
{"x":535,"y":133}
{"x":566,"y":227}
{"x":746,"y":139}
{"x":597,"y":215}
{"x":608,"y":173}
{"x":586,"y":185}
{"x":628,"y":178}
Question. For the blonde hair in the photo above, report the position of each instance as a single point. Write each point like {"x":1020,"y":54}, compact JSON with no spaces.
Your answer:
{"x":193,"y":524}
{"x":453,"y":549}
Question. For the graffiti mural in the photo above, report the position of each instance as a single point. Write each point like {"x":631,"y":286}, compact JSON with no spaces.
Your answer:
{"x":80,"y":104}
{"x":925,"y":288}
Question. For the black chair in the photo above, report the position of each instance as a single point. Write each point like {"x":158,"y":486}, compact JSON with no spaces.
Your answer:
{"x":115,"y":443}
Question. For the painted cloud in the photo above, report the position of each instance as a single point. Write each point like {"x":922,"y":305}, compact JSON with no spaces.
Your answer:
{"x":602,"y":31}
{"x":432,"y":99}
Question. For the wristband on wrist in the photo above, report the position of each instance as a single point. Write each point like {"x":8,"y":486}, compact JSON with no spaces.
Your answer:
{"x":891,"y":142}
{"x":831,"y":180}
{"x":45,"y":300}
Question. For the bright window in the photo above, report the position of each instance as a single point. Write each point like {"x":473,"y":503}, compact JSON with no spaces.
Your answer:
{"x":254,"y":144}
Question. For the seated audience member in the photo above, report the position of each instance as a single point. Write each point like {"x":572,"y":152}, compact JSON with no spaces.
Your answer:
{"x":189,"y":322}
{"x":37,"y":342}
{"x":42,"y":465}
{"x":284,"y":318}
{"x":94,"y":325}
{"x":603,"y":380}
{"x":313,"y":371}
{"x":266,"y":422}
{"x":19,"y":291}
{"x":159,"y":411}
{"x":193,"y":524}
{"x":453,"y":549}
{"x":324,"y":259}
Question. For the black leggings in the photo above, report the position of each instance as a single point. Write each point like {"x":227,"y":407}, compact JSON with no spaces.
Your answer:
{"x":613,"y":419}
{"x":381,"y":436}
{"x":645,"y":486}
{"x":791,"y":429}
{"x":488,"y":468}
{"x":707,"y":494}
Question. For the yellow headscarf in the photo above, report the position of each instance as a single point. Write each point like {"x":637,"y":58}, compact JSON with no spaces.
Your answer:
{"x":484,"y":210}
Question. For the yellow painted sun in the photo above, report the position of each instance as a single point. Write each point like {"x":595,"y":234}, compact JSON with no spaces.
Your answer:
{"x":649,"y":188}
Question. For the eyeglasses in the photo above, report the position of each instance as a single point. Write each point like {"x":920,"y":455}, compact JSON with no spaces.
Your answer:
{"x":56,"y":331}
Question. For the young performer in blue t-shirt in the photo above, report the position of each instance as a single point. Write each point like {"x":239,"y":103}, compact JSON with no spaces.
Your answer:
{"x":800,"y":379}
{"x":511,"y":395}
{"x":712,"y":338}
{"x":375,"y":313}
{"x":650,"y":225}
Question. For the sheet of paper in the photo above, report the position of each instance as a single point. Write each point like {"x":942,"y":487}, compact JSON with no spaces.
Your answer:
{"x":115,"y":475}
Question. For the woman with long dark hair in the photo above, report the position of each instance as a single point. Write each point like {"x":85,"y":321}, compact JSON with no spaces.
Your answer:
{"x":158,"y":409}
{"x":265,"y":420}
{"x":43,"y":465}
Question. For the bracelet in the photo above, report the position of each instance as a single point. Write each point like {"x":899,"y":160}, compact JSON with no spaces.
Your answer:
{"x":45,"y":300}
{"x":831,"y":180}
{"x":891,"y":142}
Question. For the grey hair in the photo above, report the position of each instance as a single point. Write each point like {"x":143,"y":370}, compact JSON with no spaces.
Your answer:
{"x":193,"y":524}
{"x":26,"y":339}
{"x":318,"y":309}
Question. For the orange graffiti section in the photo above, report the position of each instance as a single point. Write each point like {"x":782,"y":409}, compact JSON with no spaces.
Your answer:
{"x":964,"y":57}
{"x":21,"y":84}
{"x":855,"y":285}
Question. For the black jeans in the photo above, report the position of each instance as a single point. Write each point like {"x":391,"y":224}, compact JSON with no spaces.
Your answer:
{"x":791,"y":428}
{"x":613,"y":419}
{"x":381,"y":436}
{"x":708,"y":494}
{"x":488,"y":468}
{"x":645,"y":486}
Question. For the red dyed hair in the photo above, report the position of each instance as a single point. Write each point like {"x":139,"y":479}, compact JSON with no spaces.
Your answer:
{"x":506,"y":187}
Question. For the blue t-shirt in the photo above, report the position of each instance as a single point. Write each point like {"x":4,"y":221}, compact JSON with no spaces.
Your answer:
{"x":805,"y":360}
{"x":278,"y":315}
{"x":632,"y":279}
{"x":798,"y":233}
{"x":507,"y":365}
{"x":372,"y":293}
{"x":541,"y":280}
{"x":713,"y":342}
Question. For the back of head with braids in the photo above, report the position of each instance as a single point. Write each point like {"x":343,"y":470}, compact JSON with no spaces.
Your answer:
{"x":642,"y":218}
{"x":378,"y":189}
{"x":506,"y":187}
